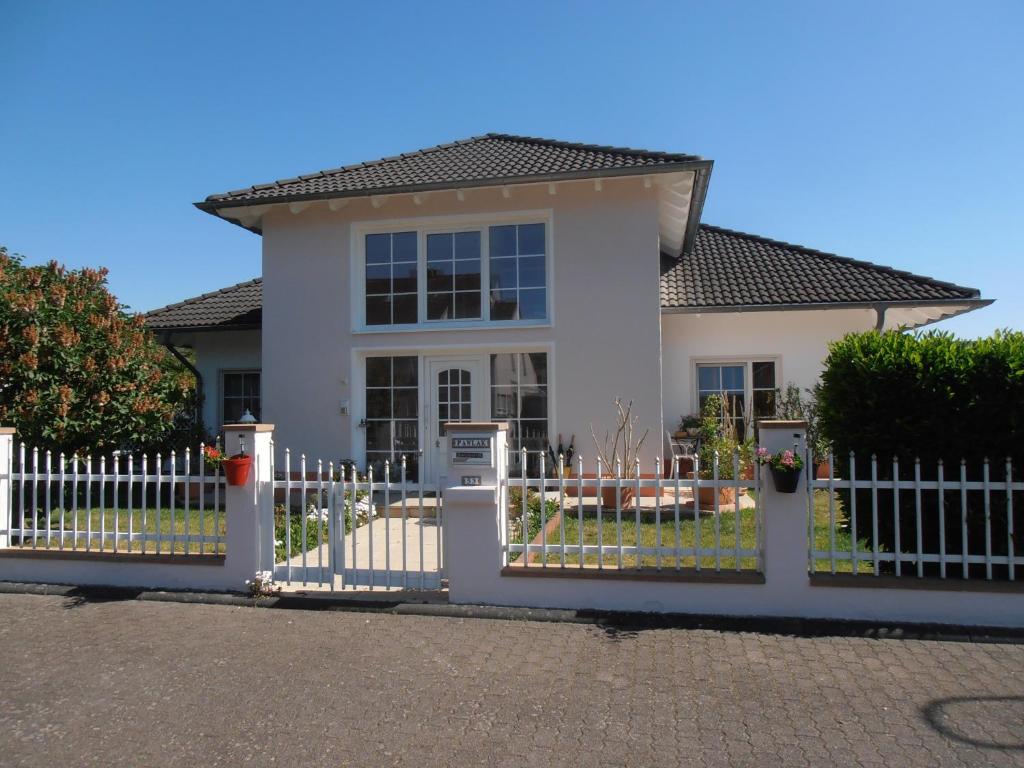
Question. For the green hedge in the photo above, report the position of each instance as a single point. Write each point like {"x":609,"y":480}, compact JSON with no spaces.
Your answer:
{"x":929,"y":396}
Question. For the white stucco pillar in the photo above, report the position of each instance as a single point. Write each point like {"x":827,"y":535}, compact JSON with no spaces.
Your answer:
{"x":473,"y":499}
{"x":785,"y":523}
{"x":6,"y":456}
{"x":249,"y":508}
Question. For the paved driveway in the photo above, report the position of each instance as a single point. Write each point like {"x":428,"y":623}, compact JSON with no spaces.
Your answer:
{"x":136,"y":683}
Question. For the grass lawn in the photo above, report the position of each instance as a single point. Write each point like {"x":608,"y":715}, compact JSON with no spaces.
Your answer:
{"x":140,"y":521}
{"x":688,"y":537}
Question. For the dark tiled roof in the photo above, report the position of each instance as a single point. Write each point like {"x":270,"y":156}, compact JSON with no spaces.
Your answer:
{"x":480,"y":160}
{"x":726,"y":269}
{"x":733,"y":269}
{"x":237,"y":306}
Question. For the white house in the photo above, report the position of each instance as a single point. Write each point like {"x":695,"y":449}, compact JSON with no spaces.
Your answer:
{"x":517,"y":279}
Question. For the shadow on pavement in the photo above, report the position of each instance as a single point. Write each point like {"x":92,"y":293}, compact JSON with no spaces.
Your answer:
{"x":971,"y":719}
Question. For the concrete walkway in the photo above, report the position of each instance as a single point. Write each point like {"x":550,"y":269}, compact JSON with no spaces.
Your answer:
{"x":111,"y":683}
{"x":386,"y":536}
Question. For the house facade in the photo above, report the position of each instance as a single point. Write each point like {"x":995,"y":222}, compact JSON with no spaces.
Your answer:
{"x":515,"y":279}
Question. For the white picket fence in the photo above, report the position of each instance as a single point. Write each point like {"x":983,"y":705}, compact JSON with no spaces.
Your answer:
{"x":336,"y":530}
{"x":942,"y":506}
{"x":611,"y":520}
{"x":122,"y":503}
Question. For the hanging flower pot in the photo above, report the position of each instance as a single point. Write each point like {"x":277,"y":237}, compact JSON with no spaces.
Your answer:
{"x":236,"y":469}
{"x":785,"y":466}
{"x":786,"y":480}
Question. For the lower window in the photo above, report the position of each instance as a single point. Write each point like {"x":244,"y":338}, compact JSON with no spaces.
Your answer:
{"x":240,"y":392}
{"x":519,"y":395}
{"x":392,"y":415}
{"x":747,"y":386}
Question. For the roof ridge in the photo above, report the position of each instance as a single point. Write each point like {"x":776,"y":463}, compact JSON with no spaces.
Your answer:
{"x":593,"y":147}
{"x":925,"y":279}
{"x":202,"y":296}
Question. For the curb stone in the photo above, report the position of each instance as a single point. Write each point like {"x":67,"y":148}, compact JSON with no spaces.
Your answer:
{"x":612,"y":622}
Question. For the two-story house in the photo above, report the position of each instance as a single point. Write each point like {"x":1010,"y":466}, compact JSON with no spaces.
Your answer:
{"x":516,"y":279}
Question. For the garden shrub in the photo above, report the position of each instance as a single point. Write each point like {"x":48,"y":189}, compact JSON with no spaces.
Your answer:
{"x":77,"y":372}
{"x":929,"y":396}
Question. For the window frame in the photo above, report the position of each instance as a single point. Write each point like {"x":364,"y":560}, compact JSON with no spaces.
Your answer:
{"x":222,"y":390}
{"x":747,"y":361}
{"x":433,"y":225}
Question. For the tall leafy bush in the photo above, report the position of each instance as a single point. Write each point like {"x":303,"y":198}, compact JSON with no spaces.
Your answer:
{"x":928,"y":396}
{"x":77,"y":373}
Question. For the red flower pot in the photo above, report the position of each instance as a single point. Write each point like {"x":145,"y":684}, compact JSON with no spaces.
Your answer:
{"x":236,"y":469}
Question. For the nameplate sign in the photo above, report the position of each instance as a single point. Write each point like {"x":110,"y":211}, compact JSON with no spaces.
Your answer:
{"x":470,"y":450}
{"x":471,"y":479}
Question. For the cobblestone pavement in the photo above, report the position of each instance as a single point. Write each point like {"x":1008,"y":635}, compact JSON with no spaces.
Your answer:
{"x":140,"y":683}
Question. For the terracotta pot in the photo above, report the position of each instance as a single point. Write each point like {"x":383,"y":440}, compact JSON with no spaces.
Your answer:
{"x":821,"y":470}
{"x":236,"y":469}
{"x":747,"y":472}
{"x":608,"y":496}
{"x":785,"y":480}
{"x":706,"y":497}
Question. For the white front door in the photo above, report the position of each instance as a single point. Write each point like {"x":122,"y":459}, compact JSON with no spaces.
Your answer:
{"x":454,"y":392}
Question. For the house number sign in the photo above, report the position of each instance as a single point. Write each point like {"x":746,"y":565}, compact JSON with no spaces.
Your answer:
{"x":471,"y":450}
{"x":471,"y":479}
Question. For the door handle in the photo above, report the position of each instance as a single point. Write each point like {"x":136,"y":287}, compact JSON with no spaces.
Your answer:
{"x":437,"y":443}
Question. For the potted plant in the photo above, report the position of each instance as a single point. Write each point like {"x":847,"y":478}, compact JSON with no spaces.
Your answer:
{"x":236,"y":468}
{"x":621,"y":450}
{"x":689,"y":426}
{"x":785,"y":467}
{"x":718,"y":436}
{"x":794,"y":405}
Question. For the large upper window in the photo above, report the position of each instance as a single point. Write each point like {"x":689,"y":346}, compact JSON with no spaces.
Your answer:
{"x":518,"y":271}
{"x":461,"y":275}
{"x":519,"y":395}
{"x":392,"y":414}
{"x":453,"y":276}
{"x":747,"y":386}
{"x":391,"y":272}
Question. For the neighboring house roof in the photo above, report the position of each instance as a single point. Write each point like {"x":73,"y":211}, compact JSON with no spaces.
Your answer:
{"x":727,"y":271}
{"x":730,"y":270}
{"x":488,"y":159}
{"x":236,"y":307}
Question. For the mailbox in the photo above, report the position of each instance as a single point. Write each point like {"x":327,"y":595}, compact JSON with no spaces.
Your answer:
{"x":473,"y":455}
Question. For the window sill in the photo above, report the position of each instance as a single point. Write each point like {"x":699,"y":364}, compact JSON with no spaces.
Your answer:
{"x":475,"y":325}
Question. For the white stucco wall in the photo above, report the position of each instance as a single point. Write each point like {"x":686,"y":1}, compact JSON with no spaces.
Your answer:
{"x":603,"y":340}
{"x":797,"y":340}
{"x":220,"y":351}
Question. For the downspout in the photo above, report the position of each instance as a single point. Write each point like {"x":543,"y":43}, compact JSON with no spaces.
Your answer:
{"x":195,"y":372}
{"x":880,"y":315}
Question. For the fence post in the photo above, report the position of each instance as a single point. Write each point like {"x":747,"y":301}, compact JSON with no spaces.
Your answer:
{"x":473,"y":523}
{"x":249,"y":508}
{"x":6,"y":456}
{"x":786,"y":535}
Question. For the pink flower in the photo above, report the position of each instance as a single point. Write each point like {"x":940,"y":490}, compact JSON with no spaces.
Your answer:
{"x":762,"y":452}
{"x":787,"y":458}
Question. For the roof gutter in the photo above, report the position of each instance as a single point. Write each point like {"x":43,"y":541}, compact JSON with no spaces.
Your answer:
{"x":957,"y":307}
{"x":725,"y":308}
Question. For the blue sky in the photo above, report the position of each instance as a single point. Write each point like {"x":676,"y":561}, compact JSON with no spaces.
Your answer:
{"x":889,"y":132}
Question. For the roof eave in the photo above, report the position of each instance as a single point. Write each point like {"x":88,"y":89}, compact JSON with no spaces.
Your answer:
{"x":702,"y":177}
{"x":161,"y":331}
{"x":701,"y":167}
{"x":967,"y":304}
